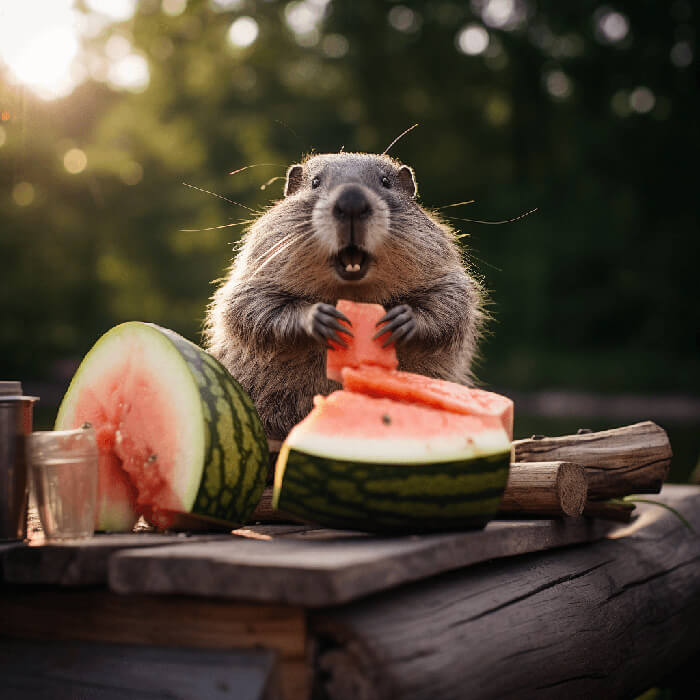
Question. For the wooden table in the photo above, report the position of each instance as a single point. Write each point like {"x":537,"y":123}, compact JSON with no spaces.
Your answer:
{"x":524,"y":608}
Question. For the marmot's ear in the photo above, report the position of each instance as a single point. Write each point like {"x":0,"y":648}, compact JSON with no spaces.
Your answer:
{"x":407,"y":180}
{"x":294,"y":173}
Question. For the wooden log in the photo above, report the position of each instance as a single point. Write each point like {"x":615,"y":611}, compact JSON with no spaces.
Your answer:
{"x":545,"y":488}
{"x":632,"y":459}
{"x":609,"y":510}
{"x":604,"y":621}
{"x":541,"y":488}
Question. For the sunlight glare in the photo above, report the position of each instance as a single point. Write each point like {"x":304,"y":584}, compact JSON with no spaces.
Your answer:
{"x":130,"y":73}
{"x":75,"y":161}
{"x":473,"y":39}
{"x":39,"y":42}
{"x":116,"y":10}
{"x":243,"y":32}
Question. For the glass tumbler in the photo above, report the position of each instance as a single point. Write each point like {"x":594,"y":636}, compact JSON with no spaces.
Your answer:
{"x":63,"y":469}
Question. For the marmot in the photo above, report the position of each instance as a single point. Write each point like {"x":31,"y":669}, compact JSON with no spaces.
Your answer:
{"x":348,"y":227}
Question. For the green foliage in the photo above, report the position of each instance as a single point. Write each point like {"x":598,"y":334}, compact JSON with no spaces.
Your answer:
{"x":593,"y":291}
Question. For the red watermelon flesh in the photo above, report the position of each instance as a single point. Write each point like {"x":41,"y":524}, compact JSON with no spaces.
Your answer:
{"x":492,"y":408}
{"x":137,"y":442}
{"x":349,"y":425}
{"x":362,"y":349}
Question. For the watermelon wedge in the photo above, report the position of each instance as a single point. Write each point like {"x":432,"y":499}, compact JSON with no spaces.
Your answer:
{"x":176,"y":433}
{"x":362,"y":349}
{"x":416,"y":388}
{"x":375,"y":464}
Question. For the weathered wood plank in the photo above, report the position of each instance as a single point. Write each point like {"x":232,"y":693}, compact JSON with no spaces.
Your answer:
{"x":69,"y":670}
{"x":632,"y":459}
{"x":604,"y":621}
{"x":75,"y":614}
{"x":79,"y":562}
{"x":318,"y":570}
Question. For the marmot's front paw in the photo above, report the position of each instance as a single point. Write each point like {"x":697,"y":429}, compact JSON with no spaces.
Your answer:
{"x":322,"y":324}
{"x":400,"y":323}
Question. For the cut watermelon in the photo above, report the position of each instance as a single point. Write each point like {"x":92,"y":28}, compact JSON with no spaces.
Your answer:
{"x":416,"y":388}
{"x":176,"y":433}
{"x":362,"y":349}
{"x":376,"y":464}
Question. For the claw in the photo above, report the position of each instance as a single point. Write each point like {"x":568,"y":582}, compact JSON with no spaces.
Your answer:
{"x":397,"y":322}
{"x":410,"y":335}
{"x":392,"y":313}
{"x":332,"y":323}
{"x":399,"y":335}
{"x":381,"y":332}
{"x":334,"y":336}
{"x":332,"y":311}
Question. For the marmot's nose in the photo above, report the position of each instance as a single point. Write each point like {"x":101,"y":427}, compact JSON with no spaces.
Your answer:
{"x":351,"y":204}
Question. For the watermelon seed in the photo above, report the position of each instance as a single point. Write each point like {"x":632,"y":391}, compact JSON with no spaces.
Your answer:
{"x":152,"y":459}
{"x":386,"y":419}
{"x":86,"y":425}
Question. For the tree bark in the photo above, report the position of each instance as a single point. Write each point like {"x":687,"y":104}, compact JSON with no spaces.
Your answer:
{"x":632,"y":459}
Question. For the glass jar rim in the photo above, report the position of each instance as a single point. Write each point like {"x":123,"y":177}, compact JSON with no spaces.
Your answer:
{"x":54,"y":443}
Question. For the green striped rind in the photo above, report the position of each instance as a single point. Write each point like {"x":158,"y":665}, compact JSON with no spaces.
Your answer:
{"x":236,"y":458}
{"x":390,"y":497}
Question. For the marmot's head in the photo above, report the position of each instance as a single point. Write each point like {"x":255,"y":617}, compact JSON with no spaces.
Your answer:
{"x":349,"y":226}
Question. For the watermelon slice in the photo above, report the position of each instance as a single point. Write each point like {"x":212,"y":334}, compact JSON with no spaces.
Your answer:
{"x":376,"y":464}
{"x":362,"y":349}
{"x":416,"y":388}
{"x":176,"y":433}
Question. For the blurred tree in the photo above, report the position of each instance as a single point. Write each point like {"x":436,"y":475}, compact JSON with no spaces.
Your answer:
{"x":588,"y":112}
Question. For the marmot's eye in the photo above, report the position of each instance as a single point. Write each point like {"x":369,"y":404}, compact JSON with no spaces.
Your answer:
{"x":315,"y":182}
{"x":386,"y":182}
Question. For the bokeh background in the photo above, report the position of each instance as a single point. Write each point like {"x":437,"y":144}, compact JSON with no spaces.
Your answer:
{"x":587,"y":111}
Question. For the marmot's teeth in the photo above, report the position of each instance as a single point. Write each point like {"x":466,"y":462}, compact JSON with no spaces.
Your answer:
{"x":356,"y":267}
{"x":349,"y":267}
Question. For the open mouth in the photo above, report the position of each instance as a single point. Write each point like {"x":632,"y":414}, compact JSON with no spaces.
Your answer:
{"x":351,"y":263}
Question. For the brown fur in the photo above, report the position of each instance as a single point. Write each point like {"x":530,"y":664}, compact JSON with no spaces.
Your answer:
{"x":257,"y":324}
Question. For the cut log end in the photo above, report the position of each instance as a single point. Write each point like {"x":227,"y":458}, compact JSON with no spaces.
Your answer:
{"x":572,"y":488}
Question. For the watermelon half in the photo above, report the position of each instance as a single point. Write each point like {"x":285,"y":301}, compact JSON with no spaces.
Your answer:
{"x":176,"y":433}
{"x":375,"y":464}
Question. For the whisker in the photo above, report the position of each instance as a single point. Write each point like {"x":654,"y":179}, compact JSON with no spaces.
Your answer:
{"x":400,"y":136}
{"x":471,"y":256}
{"x":289,"y":128}
{"x":214,"y":228}
{"x":272,"y":248}
{"x":270,"y":181}
{"x":456,"y":204}
{"x":256,"y":165}
{"x":276,"y":253}
{"x":493,"y":223}
{"x":213,"y":194}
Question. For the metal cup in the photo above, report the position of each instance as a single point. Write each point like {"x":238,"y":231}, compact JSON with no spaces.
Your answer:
{"x":15,"y":423}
